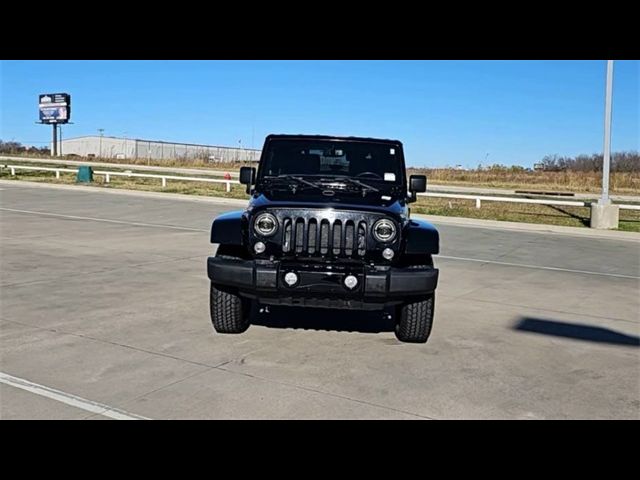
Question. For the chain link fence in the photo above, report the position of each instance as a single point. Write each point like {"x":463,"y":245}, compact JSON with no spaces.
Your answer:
{"x":130,"y":148}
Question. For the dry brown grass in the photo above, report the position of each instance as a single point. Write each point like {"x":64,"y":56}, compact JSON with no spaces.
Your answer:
{"x":190,"y":163}
{"x":184,"y":163}
{"x":620,"y":182}
{"x":570,"y":181}
{"x":519,"y":212}
{"x":133,"y":183}
{"x":590,"y":182}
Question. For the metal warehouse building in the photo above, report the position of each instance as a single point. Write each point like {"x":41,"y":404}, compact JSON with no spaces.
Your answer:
{"x":123,"y":148}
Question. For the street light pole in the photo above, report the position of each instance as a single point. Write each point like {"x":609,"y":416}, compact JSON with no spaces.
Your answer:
{"x":604,"y":213}
{"x":607,"y":135}
{"x":101,"y":130}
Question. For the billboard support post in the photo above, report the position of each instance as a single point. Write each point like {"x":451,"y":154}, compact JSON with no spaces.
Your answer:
{"x":54,"y":143}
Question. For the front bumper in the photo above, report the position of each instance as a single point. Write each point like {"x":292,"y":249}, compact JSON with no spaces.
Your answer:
{"x":376,"y":284}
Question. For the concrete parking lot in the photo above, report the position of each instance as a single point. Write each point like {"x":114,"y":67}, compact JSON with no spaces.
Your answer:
{"x":104,"y":314}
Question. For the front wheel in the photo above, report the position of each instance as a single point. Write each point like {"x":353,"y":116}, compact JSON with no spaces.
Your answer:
{"x":229,"y":312}
{"x":415,"y":320}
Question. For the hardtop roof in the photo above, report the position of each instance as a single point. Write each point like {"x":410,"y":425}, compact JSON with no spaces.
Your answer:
{"x":338,"y":138}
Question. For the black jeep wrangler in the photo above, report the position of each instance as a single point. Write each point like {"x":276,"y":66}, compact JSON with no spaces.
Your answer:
{"x":328,"y":226}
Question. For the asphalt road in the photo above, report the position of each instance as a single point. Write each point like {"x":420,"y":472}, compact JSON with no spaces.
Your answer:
{"x":104,"y":314}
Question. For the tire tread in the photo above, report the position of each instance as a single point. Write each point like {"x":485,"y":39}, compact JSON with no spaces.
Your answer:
{"x":228,"y":314}
{"x":416,"y":320}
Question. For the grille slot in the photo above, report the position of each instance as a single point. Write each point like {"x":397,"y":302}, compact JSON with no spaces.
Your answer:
{"x":313,"y":236}
{"x":348,"y":238}
{"x":362,"y":238}
{"x":337,"y":237}
{"x":320,"y":236}
{"x":286,"y":235}
{"x":300,"y":235}
{"x":324,"y":237}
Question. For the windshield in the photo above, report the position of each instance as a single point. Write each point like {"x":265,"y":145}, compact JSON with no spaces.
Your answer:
{"x":324,"y":158}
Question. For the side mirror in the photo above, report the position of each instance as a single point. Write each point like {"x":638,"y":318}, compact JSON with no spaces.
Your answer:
{"x":417,"y":184}
{"x":247,"y":177}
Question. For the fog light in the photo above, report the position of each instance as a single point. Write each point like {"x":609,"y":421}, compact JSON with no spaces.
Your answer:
{"x":290,"y":279}
{"x":350,"y":282}
{"x":259,"y":247}
{"x":387,"y":253}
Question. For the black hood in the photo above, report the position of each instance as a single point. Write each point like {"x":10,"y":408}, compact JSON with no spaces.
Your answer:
{"x":326,"y":192}
{"x":371,"y":203}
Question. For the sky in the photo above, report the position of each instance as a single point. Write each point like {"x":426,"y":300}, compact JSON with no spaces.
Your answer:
{"x":446,"y":113}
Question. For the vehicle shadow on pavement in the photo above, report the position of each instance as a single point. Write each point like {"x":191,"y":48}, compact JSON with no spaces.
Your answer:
{"x":576,"y":331}
{"x":324,"y":319}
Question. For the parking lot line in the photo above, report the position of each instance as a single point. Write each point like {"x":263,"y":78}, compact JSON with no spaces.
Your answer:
{"x":106,"y":220}
{"x":538,"y":267}
{"x":69,"y":399}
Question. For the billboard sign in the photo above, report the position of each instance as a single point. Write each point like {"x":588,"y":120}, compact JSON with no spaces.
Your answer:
{"x":54,"y":107}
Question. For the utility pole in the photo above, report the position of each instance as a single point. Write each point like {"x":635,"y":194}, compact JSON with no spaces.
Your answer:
{"x":604,"y":214}
{"x":101,"y":131}
{"x":607,"y":134}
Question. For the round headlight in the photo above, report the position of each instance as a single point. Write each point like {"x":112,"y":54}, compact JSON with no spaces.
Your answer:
{"x":384,"y":230}
{"x":265,"y":224}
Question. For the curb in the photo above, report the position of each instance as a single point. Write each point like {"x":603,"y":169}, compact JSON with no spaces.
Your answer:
{"x":124,"y":191}
{"x":530,"y":227}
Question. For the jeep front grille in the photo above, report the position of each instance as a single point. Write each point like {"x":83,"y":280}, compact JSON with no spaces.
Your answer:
{"x":322,"y":237}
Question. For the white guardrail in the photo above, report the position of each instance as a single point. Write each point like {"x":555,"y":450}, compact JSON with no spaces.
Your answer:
{"x":480,"y":198}
{"x":163,"y":178}
{"x":108,"y":175}
{"x":119,"y":166}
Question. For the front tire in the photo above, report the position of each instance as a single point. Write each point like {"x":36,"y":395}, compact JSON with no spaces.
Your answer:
{"x":415,"y":320}
{"x":229,"y":312}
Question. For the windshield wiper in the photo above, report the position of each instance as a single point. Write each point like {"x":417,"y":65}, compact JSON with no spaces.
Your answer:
{"x":365,"y":187}
{"x":295,"y":179}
